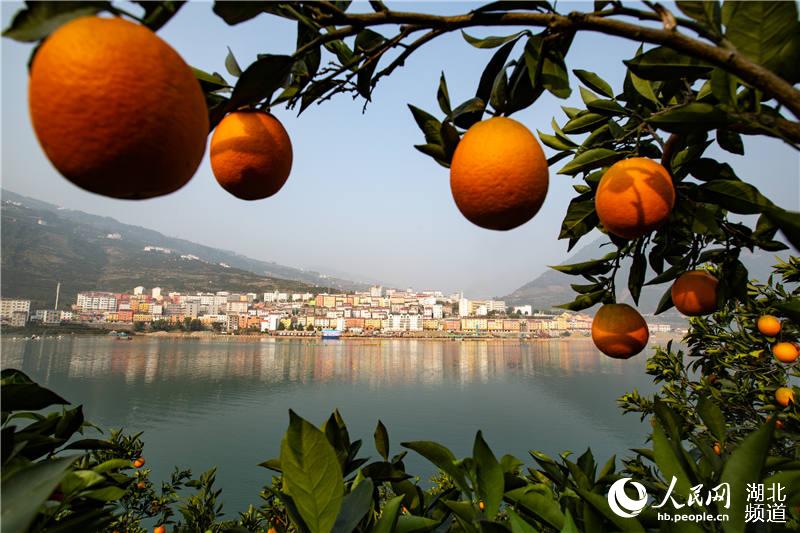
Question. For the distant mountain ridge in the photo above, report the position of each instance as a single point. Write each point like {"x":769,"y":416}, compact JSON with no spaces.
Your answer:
{"x":43,"y":244}
{"x":552,"y":288}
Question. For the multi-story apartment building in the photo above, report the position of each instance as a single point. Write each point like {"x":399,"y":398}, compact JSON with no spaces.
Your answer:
{"x":14,"y":312}
{"x":96,"y":301}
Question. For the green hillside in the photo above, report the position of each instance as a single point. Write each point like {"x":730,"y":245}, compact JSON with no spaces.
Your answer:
{"x":41,"y":248}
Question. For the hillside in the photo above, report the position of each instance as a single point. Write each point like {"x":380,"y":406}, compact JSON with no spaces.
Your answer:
{"x":147,"y":237}
{"x":41,"y":247}
{"x":552,"y":288}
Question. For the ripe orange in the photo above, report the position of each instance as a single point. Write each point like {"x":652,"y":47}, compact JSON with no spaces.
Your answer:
{"x":634,"y":197}
{"x":785,"y":352}
{"x":619,"y":331}
{"x":160,"y":529}
{"x":768,"y":325}
{"x":116,"y":109}
{"x":499,"y":174}
{"x":694,"y":293}
{"x":717,"y":448}
{"x":138,"y":463}
{"x":784,"y":396}
{"x":481,"y":505}
{"x":140,"y":485}
{"x":251,"y":154}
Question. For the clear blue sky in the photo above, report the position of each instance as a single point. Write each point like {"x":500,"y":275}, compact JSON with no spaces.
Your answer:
{"x":360,"y":200}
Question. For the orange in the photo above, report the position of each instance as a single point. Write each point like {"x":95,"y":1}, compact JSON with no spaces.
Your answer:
{"x":694,"y":293}
{"x":785,"y":352}
{"x":619,"y":331}
{"x":634,"y":197}
{"x":138,"y":463}
{"x":160,"y":529}
{"x":251,"y":154}
{"x":140,"y":485}
{"x":116,"y":109}
{"x":768,"y":325}
{"x":784,"y":396}
{"x":499,"y":174}
{"x":481,"y":505}
{"x":717,"y":448}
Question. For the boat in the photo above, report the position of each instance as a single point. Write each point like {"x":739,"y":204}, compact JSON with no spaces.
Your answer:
{"x":331,"y":334}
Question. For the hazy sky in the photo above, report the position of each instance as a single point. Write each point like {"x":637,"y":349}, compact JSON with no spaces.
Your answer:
{"x":360,"y":200}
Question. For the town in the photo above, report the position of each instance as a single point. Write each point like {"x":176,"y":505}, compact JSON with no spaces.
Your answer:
{"x":381,"y":311}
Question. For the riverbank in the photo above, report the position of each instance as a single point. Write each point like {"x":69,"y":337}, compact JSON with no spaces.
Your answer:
{"x":77,"y":330}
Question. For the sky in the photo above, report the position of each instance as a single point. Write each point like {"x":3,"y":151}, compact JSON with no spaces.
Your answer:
{"x":361,"y":202}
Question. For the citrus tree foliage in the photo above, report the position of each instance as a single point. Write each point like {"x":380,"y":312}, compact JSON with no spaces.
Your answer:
{"x":710,"y":73}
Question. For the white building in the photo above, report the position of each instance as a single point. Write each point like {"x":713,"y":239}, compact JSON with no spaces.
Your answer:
{"x":523,"y":309}
{"x":236,"y":307}
{"x":464,"y":307}
{"x":138,"y":291}
{"x":96,"y":301}
{"x":376,"y":291}
{"x":47,"y":316}
{"x":8,"y":307}
{"x":156,"y":293}
{"x":404,"y":322}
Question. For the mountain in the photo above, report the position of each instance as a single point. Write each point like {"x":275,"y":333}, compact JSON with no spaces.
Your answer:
{"x":43,"y":244}
{"x":552,"y":288}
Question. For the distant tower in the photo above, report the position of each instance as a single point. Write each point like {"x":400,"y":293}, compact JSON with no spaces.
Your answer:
{"x":58,"y":290}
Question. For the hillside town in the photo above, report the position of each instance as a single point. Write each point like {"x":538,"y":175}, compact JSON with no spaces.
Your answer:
{"x":376,"y":311}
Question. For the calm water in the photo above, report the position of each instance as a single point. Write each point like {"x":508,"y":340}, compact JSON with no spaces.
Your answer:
{"x":205,"y":402}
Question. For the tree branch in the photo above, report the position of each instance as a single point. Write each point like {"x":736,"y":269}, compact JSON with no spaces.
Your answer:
{"x":729,"y":59}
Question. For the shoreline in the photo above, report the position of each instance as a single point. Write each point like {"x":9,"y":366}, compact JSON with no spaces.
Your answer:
{"x":437,"y":336}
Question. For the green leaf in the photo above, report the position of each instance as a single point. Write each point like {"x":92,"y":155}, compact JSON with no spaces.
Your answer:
{"x":518,"y":524}
{"x":663,"y":63}
{"x":106,"y":494}
{"x":594,"y":82}
{"x":554,"y":76}
{"x":354,"y":506}
{"x":491,"y":42}
{"x":26,"y":490}
{"x":664,"y":303}
{"x":745,"y":465}
{"x":442,"y":458}
{"x":540,"y":501}
{"x":759,"y":30}
{"x":644,"y":88}
{"x":591,"y":159}
{"x":209,"y":82}
{"x":232,"y":65}
{"x":736,"y":196}
{"x":569,"y":524}
{"x":429,"y":125}
{"x":689,"y":118}
{"x":730,"y":141}
{"x":382,"y":440}
{"x":494,"y":67}
{"x":443,"y":96}
{"x":414,"y":524}
{"x":311,"y":474}
{"x":28,"y":397}
{"x":584,"y":301}
{"x":581,"y":218}
{"x":600,"y":503}
{"x":706,"y":12}
{"x":489,"y":475}
{"x":468,"y":113}
{"x":787,"y":221}
{"x":592,"y":268}
{"x":712,"y":417}
{"x":533,"y":57}
{"x":262,"y":78}
{"x":555,"y":142}
{"x":388,"y":519}
{"x":584,"y":123}
{"x":111,"y":465}
{"x":636,"y":276}
{"x":669,"y":462}
{"x":235,"y":12}
{"x":40,"y":19}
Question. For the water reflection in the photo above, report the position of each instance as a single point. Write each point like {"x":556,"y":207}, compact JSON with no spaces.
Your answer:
{"x":204,"y":402}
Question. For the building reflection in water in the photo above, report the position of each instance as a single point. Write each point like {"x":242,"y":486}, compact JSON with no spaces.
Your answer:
{"x":377,"y":363}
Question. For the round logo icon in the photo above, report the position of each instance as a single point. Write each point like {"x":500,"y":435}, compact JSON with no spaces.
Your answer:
{"x":621,"y":504}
